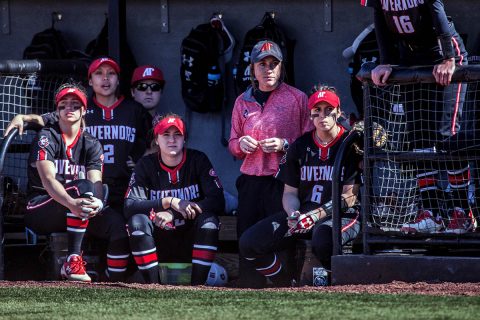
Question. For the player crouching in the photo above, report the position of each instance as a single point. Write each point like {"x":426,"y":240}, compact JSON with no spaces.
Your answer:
{"x":306,"y":172}
{"x":60,"y":198}
{"x":172,"y":204}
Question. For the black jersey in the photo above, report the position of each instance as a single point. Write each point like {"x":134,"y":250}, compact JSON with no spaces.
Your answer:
{"x":308,"y":166}
{"x":121,"y":130}
{"x":416,"y":26}
{"x":84,"y":154}
{"x":194,"y":179}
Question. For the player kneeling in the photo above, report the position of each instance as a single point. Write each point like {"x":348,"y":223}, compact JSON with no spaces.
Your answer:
{"x":172,"y":205}
{"x":307,"y":198}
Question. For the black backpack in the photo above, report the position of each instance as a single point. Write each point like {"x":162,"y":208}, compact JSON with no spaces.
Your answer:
{"x":201,"y":70}
{"x":48,"y":44}
{"x":268,"y":29}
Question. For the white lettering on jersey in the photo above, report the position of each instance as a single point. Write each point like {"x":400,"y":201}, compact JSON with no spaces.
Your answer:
{"x":400,"y":5}
{"x":186,"y":193}
{"x":112,"y":132}
{"x":66,"y":168}
{"x":316,"y":173}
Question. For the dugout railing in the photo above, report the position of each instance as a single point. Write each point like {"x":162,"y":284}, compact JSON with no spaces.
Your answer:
{"x":26,"y":86}
{"x":403,"y":150}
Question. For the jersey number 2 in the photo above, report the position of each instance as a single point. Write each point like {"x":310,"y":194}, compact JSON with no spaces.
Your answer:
{"x":403,"y":24}
{"x":317,"y":193}
{"x":108,"y":153}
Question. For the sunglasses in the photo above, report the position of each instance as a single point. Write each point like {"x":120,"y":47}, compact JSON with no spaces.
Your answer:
{"x":60,"y":108}
{"x":145,"y":86}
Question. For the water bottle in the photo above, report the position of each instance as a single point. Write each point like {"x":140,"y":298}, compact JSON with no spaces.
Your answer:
{"x":213,"y":76}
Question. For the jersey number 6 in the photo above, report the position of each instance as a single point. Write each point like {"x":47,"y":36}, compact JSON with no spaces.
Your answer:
{"x":317,"y":193}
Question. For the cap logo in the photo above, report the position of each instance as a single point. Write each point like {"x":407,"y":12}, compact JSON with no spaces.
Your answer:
{"x":171,"y":120}
{"x":148,"y":72}
{"x":267,"y":46}
{"x":104,"y":59}
{"x":321,"y":94}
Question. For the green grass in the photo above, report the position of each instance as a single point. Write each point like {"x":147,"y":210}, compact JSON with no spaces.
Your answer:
{"x":131,"y":303}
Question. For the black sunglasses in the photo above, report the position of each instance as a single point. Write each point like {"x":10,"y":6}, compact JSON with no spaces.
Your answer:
{"x":60,"y":108}
{"x":144,"y":86}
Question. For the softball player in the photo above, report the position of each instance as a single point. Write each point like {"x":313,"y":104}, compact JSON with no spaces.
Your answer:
{"x":60,"y":201}
{"x":306,"y":171}
{"x":420,"y":33}
{"x":172,"y":205}
{"x":118,"y":123}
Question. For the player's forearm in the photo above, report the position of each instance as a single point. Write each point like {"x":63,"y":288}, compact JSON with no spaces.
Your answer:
{"x":134,"y":206}
{"x":290,"y":202}
{"x":57,"y":191}
{"x":33,"y":118}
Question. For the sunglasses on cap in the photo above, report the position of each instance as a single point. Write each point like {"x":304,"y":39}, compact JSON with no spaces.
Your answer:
{"x":144,"y":86}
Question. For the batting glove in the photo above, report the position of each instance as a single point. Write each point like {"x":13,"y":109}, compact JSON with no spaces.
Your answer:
{"x":305,"y":222}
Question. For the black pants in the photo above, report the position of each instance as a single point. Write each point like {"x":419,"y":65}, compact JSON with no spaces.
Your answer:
{"x":258,"y":197}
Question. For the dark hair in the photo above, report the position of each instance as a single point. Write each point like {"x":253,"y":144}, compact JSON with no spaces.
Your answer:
{"x":72,"y":84}
{"x":323,"y":87}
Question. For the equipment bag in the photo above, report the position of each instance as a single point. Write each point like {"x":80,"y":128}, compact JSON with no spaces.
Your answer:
{"x":200,"y":71}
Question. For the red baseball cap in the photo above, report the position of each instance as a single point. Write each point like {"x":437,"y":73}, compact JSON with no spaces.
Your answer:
{"x":323,"y":96}
{"x":98,"y":62}
{"x":73,"y":91}
{"x":168,"y":122}
{"x":147,"y":72}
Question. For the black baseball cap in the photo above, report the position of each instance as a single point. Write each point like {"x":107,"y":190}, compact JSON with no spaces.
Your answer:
{"x":264,"y":49}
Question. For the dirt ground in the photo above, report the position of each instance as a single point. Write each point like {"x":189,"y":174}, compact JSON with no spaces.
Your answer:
{"x":440,"y":289}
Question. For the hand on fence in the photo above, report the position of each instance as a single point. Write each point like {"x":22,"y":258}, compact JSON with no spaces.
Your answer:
{"x":443,"y":71}
{"x":380,"y":74}
{"x":17,"y":122}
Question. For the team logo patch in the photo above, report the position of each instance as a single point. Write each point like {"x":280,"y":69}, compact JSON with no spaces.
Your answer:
{"x":212,"y":173}
{"x":132,"y":180}
{"x":43,"y":142}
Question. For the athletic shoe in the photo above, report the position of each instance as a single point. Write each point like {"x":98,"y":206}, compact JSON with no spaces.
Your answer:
{"x":74,"y":269}
{"x":459,"y":222}
{"x":425,"y":223}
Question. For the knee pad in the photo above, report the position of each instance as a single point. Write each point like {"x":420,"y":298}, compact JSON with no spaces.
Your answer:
{"x":207,"y":222}
{"x":140,"y":224}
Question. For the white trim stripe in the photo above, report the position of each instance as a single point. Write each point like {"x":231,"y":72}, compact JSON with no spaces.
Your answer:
{"x":76,"y":230}
{"x":139,"y":253}
{"x":274,"y":261}
{"x":148,"y":266}
{"x":199,"y":246}
{"x":203,"y":263}
{"x":124,"y":256}
{"x":117,"y":269}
